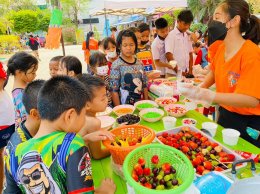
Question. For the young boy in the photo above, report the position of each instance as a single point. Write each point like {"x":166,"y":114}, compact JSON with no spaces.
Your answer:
{"x":7,"y":118}
{"x":54,"y":65}
{"x":56,"y":161}
{"x":27,"y":129}
{"x":178,"y":45}
{"x":144,"y":53}
{"x":70,"y":65}
{"x":137,"y":34}
{"x":97,"y":101}
{"x":158,"y":46}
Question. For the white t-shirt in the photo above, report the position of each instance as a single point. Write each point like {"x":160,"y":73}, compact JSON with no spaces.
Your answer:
{"x":180,"y":45}
{"x":158,"y":51}
{"x":7,"y":115}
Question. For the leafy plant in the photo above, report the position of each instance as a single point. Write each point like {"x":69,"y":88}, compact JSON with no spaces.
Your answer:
{"x":96,"y":33}
{"x":9,"y":43}
{"x":69,"y":34}
{"x":198,"y":26}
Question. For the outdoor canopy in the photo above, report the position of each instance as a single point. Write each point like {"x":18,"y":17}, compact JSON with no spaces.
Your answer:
{"x":129,"y":7}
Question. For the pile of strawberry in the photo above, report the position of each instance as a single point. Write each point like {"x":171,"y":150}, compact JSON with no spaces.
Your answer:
{"x":205,"y":156}
{"x":159,"y":177}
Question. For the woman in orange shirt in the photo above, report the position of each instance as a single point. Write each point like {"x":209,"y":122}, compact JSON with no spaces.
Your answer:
{"x":235,"y":70}
{"x":90,"y":45}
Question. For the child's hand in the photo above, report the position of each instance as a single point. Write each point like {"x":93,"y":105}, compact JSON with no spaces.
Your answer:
{"x":98,"y":136}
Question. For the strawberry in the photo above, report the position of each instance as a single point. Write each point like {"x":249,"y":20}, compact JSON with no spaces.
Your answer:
{"x":147,"y":171}
{"x":148,"y":185}
{"x":185,"y":149}
{"x":166,"y":166}
{"x":200,"y":169}
{"x":223,"y":159}
{"x":196,"y":161}
{"x":218,"y":169}
{"x":139,"y":171}
{"x":165,"y":134}
{"x":231,"y":157}
{"x":207,"y":165}
{"x":137,"y":166}
{"x":203,"y":139}
{"x":134,"y":176}
{"x":155,"y":159}
{"x":193,"y":145}
{"x":214,"y":145}
{"x":222,"y":154}
{"x":141,"y":161}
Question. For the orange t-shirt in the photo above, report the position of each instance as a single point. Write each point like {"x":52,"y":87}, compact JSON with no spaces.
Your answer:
{"x":93,"y":45}
{"x":240,"y":74}
{"x":212,"y":50}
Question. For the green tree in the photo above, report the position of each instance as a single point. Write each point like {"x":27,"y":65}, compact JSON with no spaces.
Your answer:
{"x":172,"y":18}
{"x":71,"y":9}
{"x":24,"y":21}
{"x":16,"y":5}
{"x":255,"y":6}
{"x":44,"y":19}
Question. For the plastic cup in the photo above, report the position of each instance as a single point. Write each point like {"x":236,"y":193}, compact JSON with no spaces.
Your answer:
{"x":169,"y":122}
{"x":230,"y":136}
{"x":210,"y":127}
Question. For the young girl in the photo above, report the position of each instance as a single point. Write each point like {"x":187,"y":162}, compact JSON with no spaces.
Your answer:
{"x":6,"y":120}
{"x":23,"y":67}
{"x":128,"y":80}
{"x":110,"y":50}
{"x":235,"y":70}
{"x":98,"y":66}
{"x":70,"y":66}
{"x":90,"y":45}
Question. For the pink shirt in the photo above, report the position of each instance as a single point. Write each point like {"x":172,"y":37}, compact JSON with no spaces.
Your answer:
{"x":180,"y":45}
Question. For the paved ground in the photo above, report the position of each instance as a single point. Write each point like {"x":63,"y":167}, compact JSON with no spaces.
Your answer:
{"x":45,"y":56}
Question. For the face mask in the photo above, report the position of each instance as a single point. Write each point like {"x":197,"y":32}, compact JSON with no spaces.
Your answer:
{"x":112,"y":54}
{"x":102,"y":71}
{"x":217,"y":31}
{"x":144,"y":42}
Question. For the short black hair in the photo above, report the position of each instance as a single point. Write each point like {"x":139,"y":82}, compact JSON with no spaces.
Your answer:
{"x":56,"y":59}
{"x":21,"y":61}
{"x":186,"y":16}
{"x":100,"y":42}
{"x":161,"y":23}
{"x":134,"y":29}
{"x":126,"y":33}
{"x":91,"y":83}
{"x":108,"y":40}
{"x":60,"y":94}
{"x":113,"y":29}
{"x":197,"y":44}
{"x":72,"y":64}
{"x":30,"y":95}
{"x":97,"y":58}
{"x":143,"y":27}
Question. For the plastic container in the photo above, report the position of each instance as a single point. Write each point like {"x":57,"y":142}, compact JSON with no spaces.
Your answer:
{"x":169,"y":122}
{"x":119,"y":153}
{"x":189,"y":122}
{"x":177,"y":113}
{"x":210,"y":127}
{"x":151,"y":110}
{"x":106,"y":122}
{"x":167,"y":154}
{"x":129,"y":109}
{"x":154,"y":104}
{"x":230,"y":136}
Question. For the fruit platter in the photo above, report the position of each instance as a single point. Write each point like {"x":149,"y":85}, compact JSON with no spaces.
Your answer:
{"x":164,"y":101}
{"x":204,"y":152}
{"x":143,"y":104}
{"x":128,"y":119}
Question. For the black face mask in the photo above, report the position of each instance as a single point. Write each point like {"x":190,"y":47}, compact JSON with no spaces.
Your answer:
{"x":161,"y":38}
{"x":216,"y":31}
{"x":144,"y":42}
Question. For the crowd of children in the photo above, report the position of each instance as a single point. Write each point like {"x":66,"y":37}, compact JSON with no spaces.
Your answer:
{"x":53,"y":132}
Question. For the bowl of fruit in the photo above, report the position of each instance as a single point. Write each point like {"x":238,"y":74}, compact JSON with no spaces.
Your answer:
{"x":128,"y":119}
{"x":151,"y":115}
{"x":189,"y":122}
{"x":158,"y":169}
{"x":123,"y":109}
{"x":176,"y":110}
{"x":106,"y":122}
{"x":164,"y":101}
{"x":107,"y":112}
{"x":127,"y":138}
{"x":144,"y":104}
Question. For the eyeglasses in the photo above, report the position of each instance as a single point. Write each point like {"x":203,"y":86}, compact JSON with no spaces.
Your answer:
{"x":36,"y":175}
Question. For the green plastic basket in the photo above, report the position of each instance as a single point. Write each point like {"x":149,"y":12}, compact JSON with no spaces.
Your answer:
{"x":168,"y":154}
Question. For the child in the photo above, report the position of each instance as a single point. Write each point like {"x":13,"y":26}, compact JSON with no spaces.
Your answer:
{"x":127,"y":78}
{"x":110,"y":51}
{"x":54,"y":65}
{"x":202,"y":55}
{"x":56,"y":160}
{"x":27,"y":129}
{"x":99,"y":67}
{"x":96,"y":102}
{"x":23,"y":66}
{"x":7,"y":119}
{"x":158,"y":46}
{"x":70,"y":66}
{"x":101,"y":46}
{"x":137,"y":34}
{"x":144,"y":53}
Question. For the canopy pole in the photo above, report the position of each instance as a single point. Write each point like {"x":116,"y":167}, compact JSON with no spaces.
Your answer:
{"x":106,"y":21}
